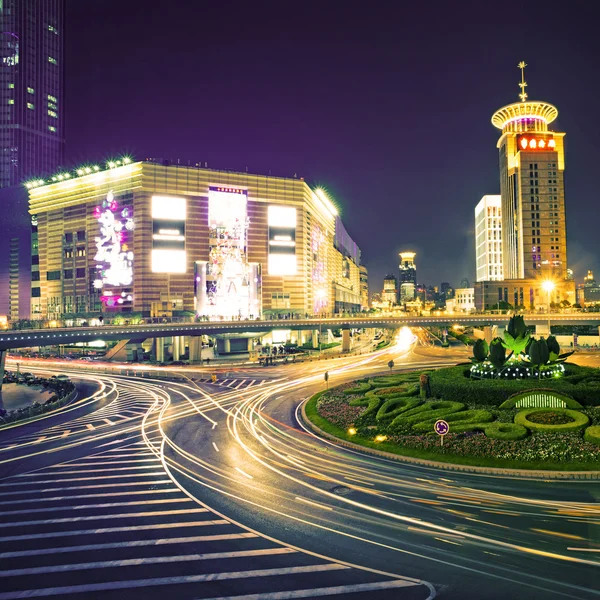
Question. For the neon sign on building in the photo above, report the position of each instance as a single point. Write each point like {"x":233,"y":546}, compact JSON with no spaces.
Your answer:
{"x":114,"y":259}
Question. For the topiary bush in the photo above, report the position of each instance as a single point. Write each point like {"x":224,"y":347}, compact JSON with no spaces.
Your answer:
{"x":579,"y":420}
{"x":592,"y":435}
{"x":371,"y":402}
{"x":395,"y":406}
{"x":505,"y":431}
{"x":438,"y":409}
{"x":361,"y":388}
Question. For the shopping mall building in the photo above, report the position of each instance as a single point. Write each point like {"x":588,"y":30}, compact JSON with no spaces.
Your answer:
{"x":160,"y":239}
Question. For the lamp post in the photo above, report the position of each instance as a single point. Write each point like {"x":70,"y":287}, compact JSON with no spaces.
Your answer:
{"x":548,"y":286}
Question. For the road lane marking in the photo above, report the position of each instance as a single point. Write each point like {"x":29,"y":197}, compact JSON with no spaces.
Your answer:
{"x":109,"y":422}
{"x":145,"y":561}
{"x":159,"y":513}
{"x":76,"y":496}
{"x":176,"y":580}
{"x":41,"y":439}
{"x":358,"y":480}
{"x":323,"y":591}
{"x":88,"y":487}
{"x":101,"y":505}
{"x":240,"y":384}
{"x":90,"y":426}
{"x":68,"y":479}
{"x":53,"y":534}
{"x":215,"y":447}
{"x":132,"y":544}
{"x":300,"y":499}
{"x":80,"y":471}
{"x":244,"y":473}
{"x":448,"y":541}
{"x":584,"y":549}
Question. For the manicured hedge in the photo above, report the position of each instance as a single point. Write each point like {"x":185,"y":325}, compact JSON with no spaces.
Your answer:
{"x":395,"y":406}
{"x":580,"y":420}
{"x":371,"y":402}
{"x":580,"y":383}
{"x":438,"y":409}
{"x":511,"y":402}
{"x":361,"y":388}
{"x":592,"y":435}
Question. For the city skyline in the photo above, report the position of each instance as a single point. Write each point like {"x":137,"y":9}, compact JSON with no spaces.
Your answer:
{"x":368,"y":135}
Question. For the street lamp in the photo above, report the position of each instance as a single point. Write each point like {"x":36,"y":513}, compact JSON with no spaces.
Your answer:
{"x":548,"y":286}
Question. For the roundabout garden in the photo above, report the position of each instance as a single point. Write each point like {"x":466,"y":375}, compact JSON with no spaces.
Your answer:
{"x":545,"y":415}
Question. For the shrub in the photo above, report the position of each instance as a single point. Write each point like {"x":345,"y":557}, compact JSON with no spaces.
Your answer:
{"x":505,"y":431}
{"x":462,"y":417}
{"x":430,"y":410}
{"x":592,"y":435}
{"x":361,"y":388}
{"x":371,"y":402}
{"x":579,"y":420}
{"x":395,"y":406}
{"x":512,"y":401}
{"x":390,"y":391}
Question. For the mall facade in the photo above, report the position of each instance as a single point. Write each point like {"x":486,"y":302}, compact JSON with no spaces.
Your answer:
{"x":163,"y":239}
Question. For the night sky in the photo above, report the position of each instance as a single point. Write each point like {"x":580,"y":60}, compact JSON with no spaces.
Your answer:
{"x":388,"y":108}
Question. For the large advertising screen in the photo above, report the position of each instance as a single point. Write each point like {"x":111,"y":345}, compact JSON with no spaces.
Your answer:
{"x":168,"y":234}
{"x":282,"y":240}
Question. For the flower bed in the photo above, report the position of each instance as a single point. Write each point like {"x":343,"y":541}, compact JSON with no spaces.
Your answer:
{"x":480,"y":432}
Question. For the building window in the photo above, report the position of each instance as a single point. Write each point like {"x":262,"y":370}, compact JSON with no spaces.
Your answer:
{"x":35,"y":275}
{"x":11,"y":86}
{"x":68,"y":253}
{"x":30,"y":106}
{"x":81,"y":236}
{"x":68,"y":273}
{"x":52,"y":275}
{"x":53,"y":29}
{"x":36,"y":292}
{"x":50,"y":128}
{"x":52,"y":60}
{"x":53,"y":114}
{"x":81,"y":251}
{"x":80,"y":272}
{"x":35,"y":259}
{"x":11,"y":100}
{"x":68,"y":238}
{"x":52,"y":98}
{"x":30,"y":90}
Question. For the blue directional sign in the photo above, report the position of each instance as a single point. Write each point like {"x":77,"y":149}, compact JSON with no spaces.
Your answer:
{"x":441,"y":427}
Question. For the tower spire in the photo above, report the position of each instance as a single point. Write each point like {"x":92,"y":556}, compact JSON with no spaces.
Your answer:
{"x":523,"y":84}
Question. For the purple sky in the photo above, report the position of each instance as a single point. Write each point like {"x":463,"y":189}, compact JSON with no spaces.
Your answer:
{"x":388,"y":109}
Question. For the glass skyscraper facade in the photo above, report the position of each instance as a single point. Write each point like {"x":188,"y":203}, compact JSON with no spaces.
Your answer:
{"x":32,"y":84}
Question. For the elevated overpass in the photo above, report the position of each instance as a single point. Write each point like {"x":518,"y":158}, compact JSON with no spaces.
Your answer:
{"x":26,"y":338}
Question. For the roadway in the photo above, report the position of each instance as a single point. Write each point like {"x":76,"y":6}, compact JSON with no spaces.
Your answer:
{"x":219,"y":491}
{"x":26,"y":338}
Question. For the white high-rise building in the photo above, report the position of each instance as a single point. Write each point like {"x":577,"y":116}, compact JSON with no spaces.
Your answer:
{"x":488,"y":238}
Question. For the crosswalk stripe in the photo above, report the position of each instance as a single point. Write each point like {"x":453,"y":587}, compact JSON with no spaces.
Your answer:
{"x":90,"y":487}
{"x":240,"y":384}
{"x":53,"y":534}
{"x":90,"y":426}
{"x":94,"y":478}
{"x":132,"y":544}
{"x":28,"y":511}
{"x":323,"y":591}
{"x":178,"y":580}
{"x":78,"y":496}
{"x":109,"y":422}
{"x":160,"y":513}
{"x":145,"y":561}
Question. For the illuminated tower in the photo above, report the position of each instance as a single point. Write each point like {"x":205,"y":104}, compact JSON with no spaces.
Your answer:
{"x":408,"y":277}
{"x":532,"y":164}
{"x":32,"y":88}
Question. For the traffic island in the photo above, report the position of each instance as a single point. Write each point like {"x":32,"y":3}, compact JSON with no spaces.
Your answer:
{"x":394,"y":415}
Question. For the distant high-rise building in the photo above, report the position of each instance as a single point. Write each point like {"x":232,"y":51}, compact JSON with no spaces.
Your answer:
{"x":32,"y":83}
{"x":364,"y":287}
{"x":488,"y":239}
{"x":13,"y":280}
{"x":390,"y":290}
{"x":408,"y":277}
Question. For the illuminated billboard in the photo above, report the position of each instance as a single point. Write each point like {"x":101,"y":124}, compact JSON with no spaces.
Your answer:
{"x":168,"y":234}
{"x":282,"y":240}
{"x":114,"y":258}
{"x":536,"y":142}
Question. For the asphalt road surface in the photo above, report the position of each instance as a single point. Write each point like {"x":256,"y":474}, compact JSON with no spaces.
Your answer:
{"x":202,"y":490}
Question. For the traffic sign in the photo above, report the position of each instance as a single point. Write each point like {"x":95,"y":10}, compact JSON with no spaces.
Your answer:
{"x":441,"y":427}
{"x":213,"y":378}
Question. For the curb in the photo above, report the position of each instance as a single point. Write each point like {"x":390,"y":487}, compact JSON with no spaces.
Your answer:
{"x":495,"y":471}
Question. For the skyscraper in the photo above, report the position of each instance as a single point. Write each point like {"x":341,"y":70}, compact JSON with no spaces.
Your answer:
{"x":488,"y":239}
{"x":532,"y":164}
{"x":408,"y":277}
{"x":13,"y":280}
{"x":32,"y":84}
{"x":534,"y":239}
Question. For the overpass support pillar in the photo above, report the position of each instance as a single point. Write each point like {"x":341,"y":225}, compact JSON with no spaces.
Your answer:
{"x":226,"y":345}
{"x":176,"y":347}
{"x":489,"y":333}
{"x":315,"y":338}
{"x":159,"y":349}
{"x":195,"y":349}
{"x":2,"y":363}
{"x":346,"y":340}
{"x":542,"y":330}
